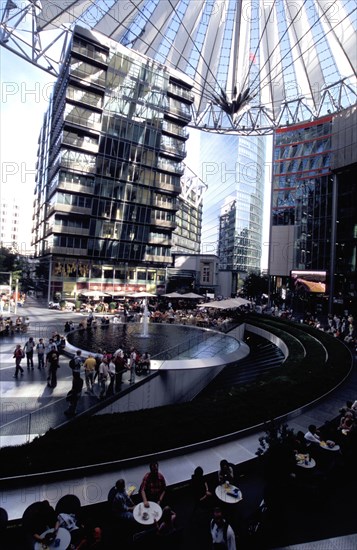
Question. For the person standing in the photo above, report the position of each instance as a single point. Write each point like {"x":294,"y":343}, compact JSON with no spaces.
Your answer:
{"x":73,"y":395}
{"x":28,"y":349}
{"x":89,"y":369}
{"x":120,"y":368}
{"x":77,"y":363}
{"x":18,"y":356}
{"x":153,"y":486}
{"x":133,"y":358}
{"x":222,"y":534}
{"x":52,"y":360}
{"x":103,"y":375}
{"x":40,"y":348}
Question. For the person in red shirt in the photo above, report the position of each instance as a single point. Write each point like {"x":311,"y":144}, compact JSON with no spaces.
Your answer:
{"x":153,"y":486}
{"x":18,"y":355}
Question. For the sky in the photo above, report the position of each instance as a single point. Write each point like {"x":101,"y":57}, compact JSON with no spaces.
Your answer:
{"x":25,"y":90}
{"x":25,"y":93}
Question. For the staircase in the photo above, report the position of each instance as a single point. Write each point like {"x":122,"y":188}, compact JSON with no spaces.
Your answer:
{"x":264,"y":356}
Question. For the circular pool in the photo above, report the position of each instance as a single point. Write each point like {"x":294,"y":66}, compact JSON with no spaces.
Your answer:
{"x":160,"y":338}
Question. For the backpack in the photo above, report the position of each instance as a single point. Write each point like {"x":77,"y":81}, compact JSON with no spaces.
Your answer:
{"x":72,"y":363}
{"x":225,"y":529}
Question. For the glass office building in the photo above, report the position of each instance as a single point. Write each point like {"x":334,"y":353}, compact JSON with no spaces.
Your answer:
{"x":314,"y":211}
{"x":233,"y":167}
{"x":110,"y":160}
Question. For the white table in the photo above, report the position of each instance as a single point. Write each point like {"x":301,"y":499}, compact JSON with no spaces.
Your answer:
{"x":324,"y":445}
{"x":303,"y":463}
{"x":147,"y":516}
{"x":228,"y":493}
{"x":61,"y":541}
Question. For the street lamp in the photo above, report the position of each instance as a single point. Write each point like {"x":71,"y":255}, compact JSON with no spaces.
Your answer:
{"x":16,"y":294}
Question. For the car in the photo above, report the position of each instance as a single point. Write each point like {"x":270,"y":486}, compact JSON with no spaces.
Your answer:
{"x":53,"y":305}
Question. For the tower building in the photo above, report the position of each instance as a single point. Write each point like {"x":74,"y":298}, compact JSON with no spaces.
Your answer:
{"x":110,"y":159}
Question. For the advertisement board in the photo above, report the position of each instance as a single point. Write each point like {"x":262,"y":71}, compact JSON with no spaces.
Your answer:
{"x":308,"y":281}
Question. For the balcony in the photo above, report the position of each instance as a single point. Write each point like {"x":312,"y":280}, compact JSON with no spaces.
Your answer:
{"x":81,"y":144}
{"x":77,"y":188}
{"x":178,"y":91}
{"x":174,"y":129}
{"x":162,"y":223}
{"x":175,"y":167}
{"x":157,"y":259}
{"x":68,"y":230}
{"x":68,"y":208}
{"x":79,"y":252}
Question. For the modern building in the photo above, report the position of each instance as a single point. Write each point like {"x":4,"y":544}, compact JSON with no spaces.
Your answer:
{"x":186,"y":237}
{"x":9,"y":223}
{"x":110,"y":162}
{"x":314,"y":211}
{"x":196,"y":273}
{"x":233,"y":167}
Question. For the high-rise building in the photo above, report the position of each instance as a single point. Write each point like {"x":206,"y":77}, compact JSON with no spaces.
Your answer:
{"x":109,"y":168}
{"x":233,"y":167}
{"x":187,"y":235}
{"x":313,"y":245}
{"x":9,"y":223}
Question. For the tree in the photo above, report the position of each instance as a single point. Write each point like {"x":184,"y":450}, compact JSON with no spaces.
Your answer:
{"x":255,"y":285}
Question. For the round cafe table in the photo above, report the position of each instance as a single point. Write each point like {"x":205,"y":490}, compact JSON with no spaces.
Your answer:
{"x":324,"y":445}
{"x":60,"y":542}
{"x":303,"y":463}
{"x":147,"y":516}
{"x":228,"y":493}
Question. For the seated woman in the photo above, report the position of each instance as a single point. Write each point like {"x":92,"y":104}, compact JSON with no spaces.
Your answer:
{"x":199,"y":487}
{"x":225,"y":473}
{"x":346,"y":423}
{"x":167,"y":523}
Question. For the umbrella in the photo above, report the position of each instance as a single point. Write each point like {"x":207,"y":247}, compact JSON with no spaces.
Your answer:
{"x":192,"y":296}
{"x":93,"y":293}
{"x":231,"y":303}
{"x":172,"y":295}
{"x":141,"y":294}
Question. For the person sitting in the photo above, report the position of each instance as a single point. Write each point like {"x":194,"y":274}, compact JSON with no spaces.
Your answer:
{"x":312,"y":436}
{"x":346,"y":422}
{"x":200,"y":491}
{"x":225,"y":472}
{"x":121,"y":504}
{"x":153,"y":486}
{"x":167,"y":523}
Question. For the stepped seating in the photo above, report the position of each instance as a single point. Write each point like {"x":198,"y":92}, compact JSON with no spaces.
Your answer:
{"x":264,"y":356}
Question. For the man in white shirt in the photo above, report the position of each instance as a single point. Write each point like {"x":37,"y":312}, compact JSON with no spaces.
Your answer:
{"x":312,"y":435}
{"x":221,"y":532}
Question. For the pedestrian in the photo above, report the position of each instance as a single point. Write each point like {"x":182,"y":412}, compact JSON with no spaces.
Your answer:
{"x":222,"y":534}
{"x":103,"y":375}
{"x":40,"y":348}
{"x":52,"y":361}
{"x":89,"y":369}
{"x":112,"y":374}
{"x":76,"y":363}
{"x":133,"y":358}
{"x":28,"y":349}
{"x":120,"y":368}
{"x":73,"y":395}
{"x":18,"y":356}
